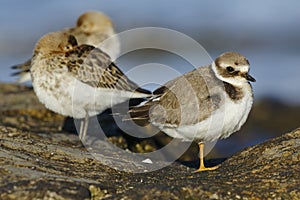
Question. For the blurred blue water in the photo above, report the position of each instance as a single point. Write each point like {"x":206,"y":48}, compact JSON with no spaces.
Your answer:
{"x":267,"y":32}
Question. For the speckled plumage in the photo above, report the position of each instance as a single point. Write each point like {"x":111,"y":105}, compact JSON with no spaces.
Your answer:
{"x":78,"y":81}
{"x":92,"y":28}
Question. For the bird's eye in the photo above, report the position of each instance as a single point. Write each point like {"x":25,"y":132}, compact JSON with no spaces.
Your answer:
{"x":68,"y":47}
{"x":230,"y":69}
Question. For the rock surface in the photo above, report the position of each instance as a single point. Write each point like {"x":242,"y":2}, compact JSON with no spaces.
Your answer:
{"x":39,"y":161}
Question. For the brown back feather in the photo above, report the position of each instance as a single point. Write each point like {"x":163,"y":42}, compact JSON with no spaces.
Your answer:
{"x":94,"y":67}
{"x":187,"y":99}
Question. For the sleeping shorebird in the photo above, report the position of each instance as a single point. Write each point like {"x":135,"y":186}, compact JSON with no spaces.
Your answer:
{"x":206,"y":104}
{"x":78,"y":80}
{"x":92,"y":28}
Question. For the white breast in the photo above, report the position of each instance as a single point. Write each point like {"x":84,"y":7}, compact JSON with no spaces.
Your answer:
{"x":64,"y":94}
{"x":222,"y":123}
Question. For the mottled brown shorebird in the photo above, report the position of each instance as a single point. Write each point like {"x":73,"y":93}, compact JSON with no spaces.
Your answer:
{"x":92,"y":28}
{"x":78,"y":80}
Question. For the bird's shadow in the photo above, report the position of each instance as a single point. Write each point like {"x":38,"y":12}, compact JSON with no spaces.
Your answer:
{"x":208,"y":163}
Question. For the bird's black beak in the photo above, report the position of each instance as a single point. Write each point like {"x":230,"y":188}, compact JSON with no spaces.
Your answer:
{"x":249,"y":77}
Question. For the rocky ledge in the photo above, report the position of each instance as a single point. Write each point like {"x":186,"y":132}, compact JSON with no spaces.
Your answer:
{"x":41,"y":161}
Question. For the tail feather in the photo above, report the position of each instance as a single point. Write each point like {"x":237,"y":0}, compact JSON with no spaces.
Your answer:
{"x":137,"y":114}
{"x":141,"y":90}
{"x":24,"y":71}
{"x":23,"y":66}
{"x":17,"y":73}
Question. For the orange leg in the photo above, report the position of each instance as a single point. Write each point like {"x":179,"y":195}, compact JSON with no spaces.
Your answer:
{"x":202,"y":167}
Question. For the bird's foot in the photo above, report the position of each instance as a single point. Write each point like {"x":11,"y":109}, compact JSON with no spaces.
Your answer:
{"x":203,"y":168}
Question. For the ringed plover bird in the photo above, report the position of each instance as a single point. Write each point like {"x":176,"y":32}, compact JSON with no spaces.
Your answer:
{"x":206,"y":104}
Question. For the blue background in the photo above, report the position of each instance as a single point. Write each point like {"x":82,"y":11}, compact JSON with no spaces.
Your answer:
{"x":267,"y":32}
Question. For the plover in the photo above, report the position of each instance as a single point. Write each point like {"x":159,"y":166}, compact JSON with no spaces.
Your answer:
{"x":78,"y":80}
{"x":206,"y":104}
{"x":92,"y":28}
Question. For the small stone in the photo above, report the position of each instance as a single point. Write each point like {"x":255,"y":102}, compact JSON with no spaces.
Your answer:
{"x":214,"y":196}
{"x":148,"y":161}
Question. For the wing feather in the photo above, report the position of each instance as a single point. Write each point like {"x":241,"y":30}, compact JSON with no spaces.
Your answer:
{"x":185,"y":100}
{"x":94,"y":67}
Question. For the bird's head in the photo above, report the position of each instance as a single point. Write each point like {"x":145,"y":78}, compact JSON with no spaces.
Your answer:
{"x":56,"y":42}
{"x":233,"y":68}
{"x":93,"y":21}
